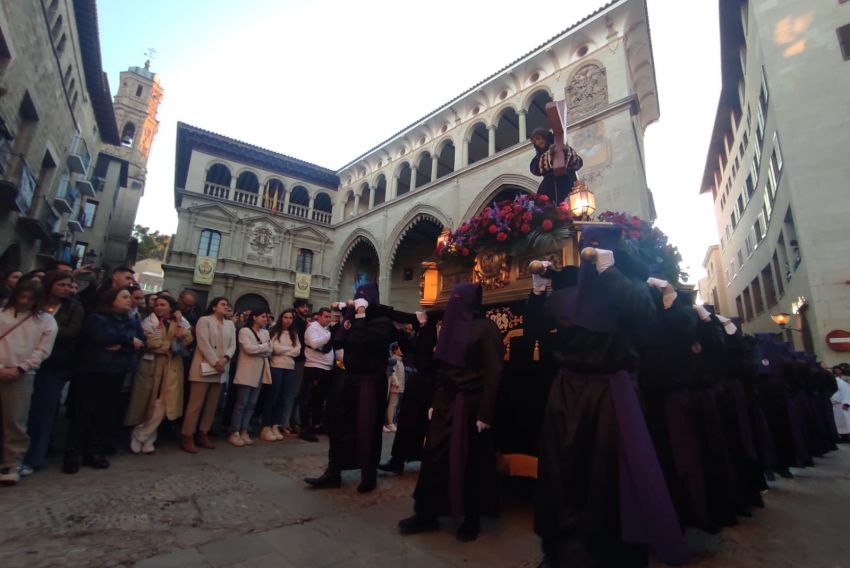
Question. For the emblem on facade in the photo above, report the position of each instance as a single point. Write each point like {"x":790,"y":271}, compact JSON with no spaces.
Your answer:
{"x":587,"y":91}
{"x":263,"y":240}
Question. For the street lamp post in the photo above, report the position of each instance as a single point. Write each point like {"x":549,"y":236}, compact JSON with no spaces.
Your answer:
{"x":582,"y":201}
{"x":782,"y":319}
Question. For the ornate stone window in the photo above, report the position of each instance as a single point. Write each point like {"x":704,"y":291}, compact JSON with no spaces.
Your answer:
{"x":587,"y":90}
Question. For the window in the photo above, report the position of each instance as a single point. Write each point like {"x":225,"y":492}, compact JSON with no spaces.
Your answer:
{"x":139,"y":91}
{"x":757,"y":299}
{"x":128,"y":134}
{"x":209,"y":243}
{"x":748,"y":305}
{"x":89,"y":211}
{"x":739,"y":304}
{"x":771,"y":180}
{"x":761,"y":228}
{"x":304,"y":262}
{"x":768,"y":209}
{"x":777,"y":152}
{"x":744,"y":199}
{"x":763,"y":94}
{"x":757,"y":158}
{"x":777,"y":269}
{"x":80,"y":250}
{"x":750,"y":242}
{"x":844,"y":40}
{"x":740,"y":258}
{"x":769,"y":290}
{"x":760,"y":124}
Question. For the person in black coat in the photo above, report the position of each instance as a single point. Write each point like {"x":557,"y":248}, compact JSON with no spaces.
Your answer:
{"x":110,"y":341}
{"x":355,"y":410}
{"x":458,"y":474}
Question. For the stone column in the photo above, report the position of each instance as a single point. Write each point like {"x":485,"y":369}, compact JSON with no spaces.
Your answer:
{"x":310,"y":210}
{"x":232,"y":195}
{"x":491,"y":139}
{"x":522,"y":133}
{"x":412,"y":178}
{"x":434,"y":163}
{"x":372,"y":191}
{"x":286,"y":202}
{"x":393,"y":188}
{"x":464,"y":161}
{"x":356,"y":204}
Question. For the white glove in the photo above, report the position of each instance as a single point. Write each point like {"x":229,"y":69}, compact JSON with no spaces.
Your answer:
{"x":481,"y":426}
{"x":540,"y":285}
{"x":430,"y":413}
{"x":668,"y":293}
{"x":341,"y":306}
{"x":702,"y":313}
{"x":422,"y":318}
{"x":730,"y":327}
{"x":602,"y":258}
{"x":360,"y":303}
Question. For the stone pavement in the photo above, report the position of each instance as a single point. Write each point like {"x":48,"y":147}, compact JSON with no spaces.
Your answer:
{"x":248,"y":507}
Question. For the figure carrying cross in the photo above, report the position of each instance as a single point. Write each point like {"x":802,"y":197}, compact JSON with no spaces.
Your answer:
{"x":554,"y":159}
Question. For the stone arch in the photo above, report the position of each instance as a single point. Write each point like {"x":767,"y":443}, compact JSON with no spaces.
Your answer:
{"x":478,"y":146}
{"x":423,"y":168}
{"x":587,"y":88}
{"x":535,"y":113}
{"x":414,"y":216}
{"x":380,"y":189}
{"x":527,"y":100}
{"x":252,"y":301}
{"x":486,"y":195}
{"x":348,"y":205}
{"x":445,"y":156}
{"x":247,"y":180}
{"x":402,"y":175}
{"x":359,"y":236}
{"x":219,"y":174}
{"x":507,"y":128}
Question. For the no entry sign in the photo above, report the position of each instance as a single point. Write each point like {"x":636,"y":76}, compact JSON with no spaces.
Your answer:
{"x":838,"y":340}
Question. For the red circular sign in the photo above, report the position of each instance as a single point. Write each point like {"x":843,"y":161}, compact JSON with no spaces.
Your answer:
{"x":838,"y":340}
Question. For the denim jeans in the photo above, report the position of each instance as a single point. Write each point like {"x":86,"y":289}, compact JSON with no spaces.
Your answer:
{"x":280,"y":397}
{"x":44,"y":407}
{"x":243,"y":409}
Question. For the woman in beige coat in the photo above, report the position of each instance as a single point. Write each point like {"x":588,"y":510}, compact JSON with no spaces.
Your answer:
{"x":255,"y":349}
{"x":158,"y":384}
{"x":215,"y":341}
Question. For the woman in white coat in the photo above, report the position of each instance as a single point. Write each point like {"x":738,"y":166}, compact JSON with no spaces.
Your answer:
{"x":841,"y":405}
{"x":215,"y":340}
{"x":252,"y":370}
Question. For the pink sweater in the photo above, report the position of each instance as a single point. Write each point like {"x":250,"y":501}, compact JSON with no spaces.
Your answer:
{"x":29,"y":344}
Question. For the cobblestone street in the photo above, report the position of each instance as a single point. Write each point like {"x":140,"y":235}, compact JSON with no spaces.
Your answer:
{"x":248,"y":507}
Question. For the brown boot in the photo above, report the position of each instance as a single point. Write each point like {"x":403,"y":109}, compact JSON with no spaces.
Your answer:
{"x":204,"y":441}
{"x":188,"y":444}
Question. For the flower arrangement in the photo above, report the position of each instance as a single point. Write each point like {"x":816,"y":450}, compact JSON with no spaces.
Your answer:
{"x":525,"y":221}
{"x":649,"y":244}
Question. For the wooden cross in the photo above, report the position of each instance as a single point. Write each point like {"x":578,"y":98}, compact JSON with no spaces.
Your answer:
{"x":556,"y":112}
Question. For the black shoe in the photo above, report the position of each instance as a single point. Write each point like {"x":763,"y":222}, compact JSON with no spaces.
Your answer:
{"x":392,"y":466}
{"x":71,"y":464}
{"x":97,"y":461}
{"x":308,"y":436}
{"x":418,"y":524}
{"x":786,"y":473}
{"x":468,"y":530}
{"x":367,"y":485}
{"x":328,"y":480}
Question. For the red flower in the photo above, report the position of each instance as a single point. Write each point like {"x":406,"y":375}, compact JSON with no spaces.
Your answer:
{"x":501,"y":237}
{"x":543,"y":198}
{"x":547,"y":224}
{"x":493,"y":229}
{"x":526,"y":216}
{"x":525,"y":228}
{"x":636,"y":222}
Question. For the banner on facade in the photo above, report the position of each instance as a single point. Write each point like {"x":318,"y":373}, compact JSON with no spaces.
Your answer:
{"x":204,"y":270}
{"x":302,"y":285}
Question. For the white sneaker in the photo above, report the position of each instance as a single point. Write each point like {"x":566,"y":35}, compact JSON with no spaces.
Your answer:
{"x":387,"y":429}
{"x":135,"y":445}
{"x":246,"y":439}
{"x":277,"y":433}
{"x":236,"y":440}
{"x":25,"y":470}
{"x":148,"y":448}
{"x":9,"y":476}
{"x":267,"y":435}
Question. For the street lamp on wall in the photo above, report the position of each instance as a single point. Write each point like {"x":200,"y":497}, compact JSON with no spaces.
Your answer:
{"x":582,"y":201}
{"x":781,"y":319}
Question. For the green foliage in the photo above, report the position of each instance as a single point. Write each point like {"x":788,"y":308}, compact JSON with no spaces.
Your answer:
{"x":152,"y":244}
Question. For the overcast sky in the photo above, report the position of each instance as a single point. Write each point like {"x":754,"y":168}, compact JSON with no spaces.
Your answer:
{"x":326,"y":80}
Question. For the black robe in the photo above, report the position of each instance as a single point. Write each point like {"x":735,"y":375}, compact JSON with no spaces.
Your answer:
{"x":477,"y":382}
{"x":556,"y":188}
{"x":355,"y":408}
{"x":577,"y":506}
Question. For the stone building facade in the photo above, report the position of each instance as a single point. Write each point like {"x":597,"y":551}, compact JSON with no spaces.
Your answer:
{"x":378,"y":217}
{"x":777,"y":168}
{"x":63,"y":179}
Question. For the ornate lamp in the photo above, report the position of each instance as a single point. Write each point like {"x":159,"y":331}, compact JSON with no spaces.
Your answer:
{"x":781,"y":319}
{"x":582,"y":201}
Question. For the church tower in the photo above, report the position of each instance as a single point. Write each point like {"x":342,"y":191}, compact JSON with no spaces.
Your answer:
{"x":136,"y":104}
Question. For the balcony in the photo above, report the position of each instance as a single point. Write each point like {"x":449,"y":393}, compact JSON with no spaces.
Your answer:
{"x":215,"y":190}
{"x":245,"y":197}
{"x":41,"y":226}
{"x":85,"y":187}
{"x":79,"y":157}
{"x":298,"y":210}
{"x":258,"y":200}
{"x":17,"y":185}
{"x":322,"y":217}
{"x":66,"y":198}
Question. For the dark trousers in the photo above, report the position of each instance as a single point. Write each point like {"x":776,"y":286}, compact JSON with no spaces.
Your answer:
{"x":93,"y":418}
{"x":355,"y":419}
{"x":311,"y":399}
{"x":46,"y":395}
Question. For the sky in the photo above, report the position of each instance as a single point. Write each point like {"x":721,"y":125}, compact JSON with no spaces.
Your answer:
{"x":326,"y":80}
